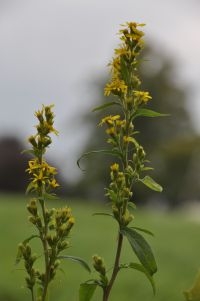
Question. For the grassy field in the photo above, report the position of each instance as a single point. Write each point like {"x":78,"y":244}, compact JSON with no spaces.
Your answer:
{"x":176,"y":246}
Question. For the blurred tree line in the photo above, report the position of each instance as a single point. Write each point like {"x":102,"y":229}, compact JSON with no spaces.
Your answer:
{"x":172,"y":145}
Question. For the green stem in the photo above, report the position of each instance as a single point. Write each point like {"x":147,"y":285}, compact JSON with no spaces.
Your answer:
{"x":32,"y":295}
{"x":116,"y":268}
{"x":46,"y":255}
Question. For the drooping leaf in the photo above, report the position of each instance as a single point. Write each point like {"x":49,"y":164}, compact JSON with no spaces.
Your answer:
{"x":143,"y":230}
{"x":102,"y":151}
{"x":141,"y":248}
{"x":106,"y":105}
{"x":139,"y":267}
{"x":149,"y":182}
{"x":86,"y":291}
{"x":30,"y":238}
{"x":148,"y":113}
{"x":76,"y":259}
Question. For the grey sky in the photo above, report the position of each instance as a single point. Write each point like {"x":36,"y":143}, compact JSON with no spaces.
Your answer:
{"x":49,"y":49}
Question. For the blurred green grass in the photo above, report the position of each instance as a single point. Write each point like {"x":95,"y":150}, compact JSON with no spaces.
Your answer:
{"x":176,"y":246}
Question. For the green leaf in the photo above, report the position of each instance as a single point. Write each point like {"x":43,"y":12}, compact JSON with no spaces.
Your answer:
{"x":106,"y":105}
{"x":140,"y":268}
{"x":102,"y":213}
{"x":131,"y":206}
{"x":76,"y":259}
{"x":143,"y":230}
{"x":101,"y":151}
{"x":149,"y":182}
{"x":147,"y":113}
{"x":86,"y":291}
{"x":50,"y":196}
{"x":141,"y":248}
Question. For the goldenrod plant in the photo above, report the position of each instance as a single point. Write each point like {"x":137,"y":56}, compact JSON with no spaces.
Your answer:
{"x":51,"y":226}
{"x":130,"y":165}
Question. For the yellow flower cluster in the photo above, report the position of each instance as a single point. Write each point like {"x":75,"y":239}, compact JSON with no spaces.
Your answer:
{"x":116,"y":87}
{"x":115,"y":128}
{"x":141,"y":97}
{"x":42,"y":174}
{"x":124,"y":81}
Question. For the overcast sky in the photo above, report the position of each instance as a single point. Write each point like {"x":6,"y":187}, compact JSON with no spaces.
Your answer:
{"x":50,"y":49}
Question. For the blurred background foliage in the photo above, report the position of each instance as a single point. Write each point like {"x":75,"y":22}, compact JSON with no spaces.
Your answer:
{"x":172,"y":145}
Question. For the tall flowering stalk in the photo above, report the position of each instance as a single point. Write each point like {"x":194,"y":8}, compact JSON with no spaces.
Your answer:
{"x":52,"y":225}
{"x":131,"y":163}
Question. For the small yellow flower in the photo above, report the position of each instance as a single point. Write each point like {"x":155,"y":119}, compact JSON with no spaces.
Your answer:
{"x":120,"y":123}
{"x":127,"y":139}
{"x":114,"y":167}
{"x":109,"y":120}
{"x":142,"y":96}
{"x":54,"y":183}
{"x":111,"y":131}
{"x":116,"y":87}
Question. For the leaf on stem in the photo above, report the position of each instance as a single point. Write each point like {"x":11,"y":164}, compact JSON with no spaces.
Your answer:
{"x":143,"y":230}
{"x":104,"y":106}
{"x":141,"y":248}
{"x":140,"y":268}
{"x":147,"y":113}
{"x":149,"y":182}
{"x":76,"y":259}
{"x":86,"y":291}
{"x":101,"y":151}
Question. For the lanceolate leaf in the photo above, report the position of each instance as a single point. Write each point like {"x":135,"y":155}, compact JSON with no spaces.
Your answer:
{"x":141,"y":248}
{"x":86,"y":291}
{"x":149,"y":182}
{"x":148,"y":113}
{"x":102,"y":151}
{"x":140,"y":268}
{"x":143,"y":230}
{"x":76,"y":259}
{"x":104,"y":106}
